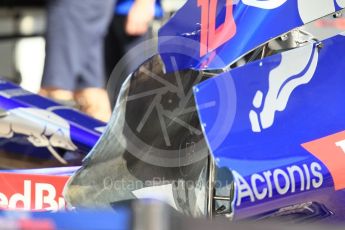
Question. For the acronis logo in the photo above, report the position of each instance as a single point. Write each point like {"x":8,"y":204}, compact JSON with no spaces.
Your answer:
{"x":265,"y":185}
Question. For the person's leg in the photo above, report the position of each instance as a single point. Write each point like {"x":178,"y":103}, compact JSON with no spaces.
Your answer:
{"x":74,"y":61}
{"x":62,"y":61}
{"x":90,"y":92}
{"x":92,"y":29}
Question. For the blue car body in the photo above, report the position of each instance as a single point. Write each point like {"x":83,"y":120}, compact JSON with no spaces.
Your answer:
{"x":273,"y":126}
{"x":25,"y":115}
{"x":277,"y":123}
{"x":295,"y":159}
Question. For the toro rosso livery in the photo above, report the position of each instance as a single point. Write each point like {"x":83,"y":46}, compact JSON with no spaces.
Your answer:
{"x":238,"y":114}
{"x":38,"y":129}
{"x":287,"y":134}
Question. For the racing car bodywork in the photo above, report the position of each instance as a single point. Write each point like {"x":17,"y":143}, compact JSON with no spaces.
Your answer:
{"x":284,"y":146}
{"x":225,"y":30}
{"x":267,"y":97}
{"x":238,"y":116}
{"x":35,"y":130}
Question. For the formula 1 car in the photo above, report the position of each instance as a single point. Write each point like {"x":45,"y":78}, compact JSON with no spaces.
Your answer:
{"x":41,"y":144}
{"x":38,"y":132}
{"x":238,"y":115}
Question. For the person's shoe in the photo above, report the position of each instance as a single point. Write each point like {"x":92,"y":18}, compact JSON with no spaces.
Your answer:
{"x":94,"y":102}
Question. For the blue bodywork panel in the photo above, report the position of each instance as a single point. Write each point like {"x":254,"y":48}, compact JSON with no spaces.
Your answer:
{"x":237,"y":29}
{"x":59,"y":171}
{"x":83,"y":219}
{"x":283,"y":139}
{"x":27,"y":120}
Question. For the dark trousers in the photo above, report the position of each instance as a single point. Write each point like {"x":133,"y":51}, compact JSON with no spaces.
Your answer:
{"x":75,"y":43}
